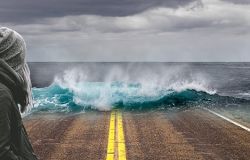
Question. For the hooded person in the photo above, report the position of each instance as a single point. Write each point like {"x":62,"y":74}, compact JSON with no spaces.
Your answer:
{"x":15,"y":96}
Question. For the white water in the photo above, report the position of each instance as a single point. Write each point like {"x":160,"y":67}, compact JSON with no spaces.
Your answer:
{"x":147,"y":84}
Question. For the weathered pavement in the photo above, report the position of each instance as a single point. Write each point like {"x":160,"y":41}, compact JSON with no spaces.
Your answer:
{"x":69,"y":137}
{"x":192,"y":134}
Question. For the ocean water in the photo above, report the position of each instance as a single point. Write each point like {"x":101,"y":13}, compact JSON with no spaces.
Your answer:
{"x":79,"y":87}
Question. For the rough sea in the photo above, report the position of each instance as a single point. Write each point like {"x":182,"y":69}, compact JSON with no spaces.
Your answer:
{"x":80,"y":87}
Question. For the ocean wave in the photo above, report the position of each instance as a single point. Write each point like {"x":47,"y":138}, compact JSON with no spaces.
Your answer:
{"x":104,"y":96}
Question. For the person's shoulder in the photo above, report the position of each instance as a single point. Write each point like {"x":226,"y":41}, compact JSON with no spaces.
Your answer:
{"x":5,"y":100}
{"x":5,"y":94}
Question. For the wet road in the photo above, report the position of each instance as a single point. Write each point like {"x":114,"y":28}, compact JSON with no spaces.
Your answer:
{"x":190,"y":134}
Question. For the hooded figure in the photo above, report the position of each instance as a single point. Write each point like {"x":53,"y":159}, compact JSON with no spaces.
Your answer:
{"x":15,"y":95}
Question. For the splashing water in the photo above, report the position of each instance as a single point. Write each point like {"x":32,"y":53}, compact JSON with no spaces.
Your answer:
{"x":73,"y":93}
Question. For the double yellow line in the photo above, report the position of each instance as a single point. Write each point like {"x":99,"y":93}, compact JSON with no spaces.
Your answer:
{"x":116,"y":149}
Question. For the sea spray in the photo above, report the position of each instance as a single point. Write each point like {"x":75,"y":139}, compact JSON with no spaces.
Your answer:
{"x":133,"y":87}
{"x":72,"y":91}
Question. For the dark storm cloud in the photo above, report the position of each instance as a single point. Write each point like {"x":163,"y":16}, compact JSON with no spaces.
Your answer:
{"x":131,"y":30}
{"x":29,"y":10}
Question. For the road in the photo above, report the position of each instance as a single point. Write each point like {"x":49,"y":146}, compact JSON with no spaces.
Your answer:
{"x":192,"y":134}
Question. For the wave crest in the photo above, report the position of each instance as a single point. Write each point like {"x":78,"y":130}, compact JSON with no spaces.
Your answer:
{"x":60,"y":97}
{"x":74,"y":92}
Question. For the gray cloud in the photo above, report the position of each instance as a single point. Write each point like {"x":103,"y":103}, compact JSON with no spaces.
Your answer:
{"x":184,"y":46}
{"x":206,"y":30}
{"x":194,"y":16}
{"x":25,"y":11}
{"x":239,"y":1}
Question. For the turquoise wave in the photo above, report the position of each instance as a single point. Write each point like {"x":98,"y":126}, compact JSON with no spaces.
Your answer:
{"x":131,"y":96}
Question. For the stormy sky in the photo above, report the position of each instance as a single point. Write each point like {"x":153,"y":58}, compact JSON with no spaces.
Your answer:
{"x":131,"y":30}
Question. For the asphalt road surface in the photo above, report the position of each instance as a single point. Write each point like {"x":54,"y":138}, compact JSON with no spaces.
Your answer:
{"x":192,"y":134}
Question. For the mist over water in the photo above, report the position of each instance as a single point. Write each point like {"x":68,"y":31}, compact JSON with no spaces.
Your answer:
{"x":132,"y":86}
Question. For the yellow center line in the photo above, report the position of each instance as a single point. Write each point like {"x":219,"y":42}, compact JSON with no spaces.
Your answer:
{"x":121,"y":140}
{"x":111,"y":140}
{"x":116,"y":142}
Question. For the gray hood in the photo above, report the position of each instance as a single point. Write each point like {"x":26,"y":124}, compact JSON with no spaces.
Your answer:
{"x":15,"y":83}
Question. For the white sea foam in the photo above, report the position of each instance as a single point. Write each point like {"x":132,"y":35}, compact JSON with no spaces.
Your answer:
{"x":118,"y":82}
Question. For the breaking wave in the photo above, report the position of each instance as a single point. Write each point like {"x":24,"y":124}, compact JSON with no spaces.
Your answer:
{"x":134,"y":89}
{"x":105,"y":96}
